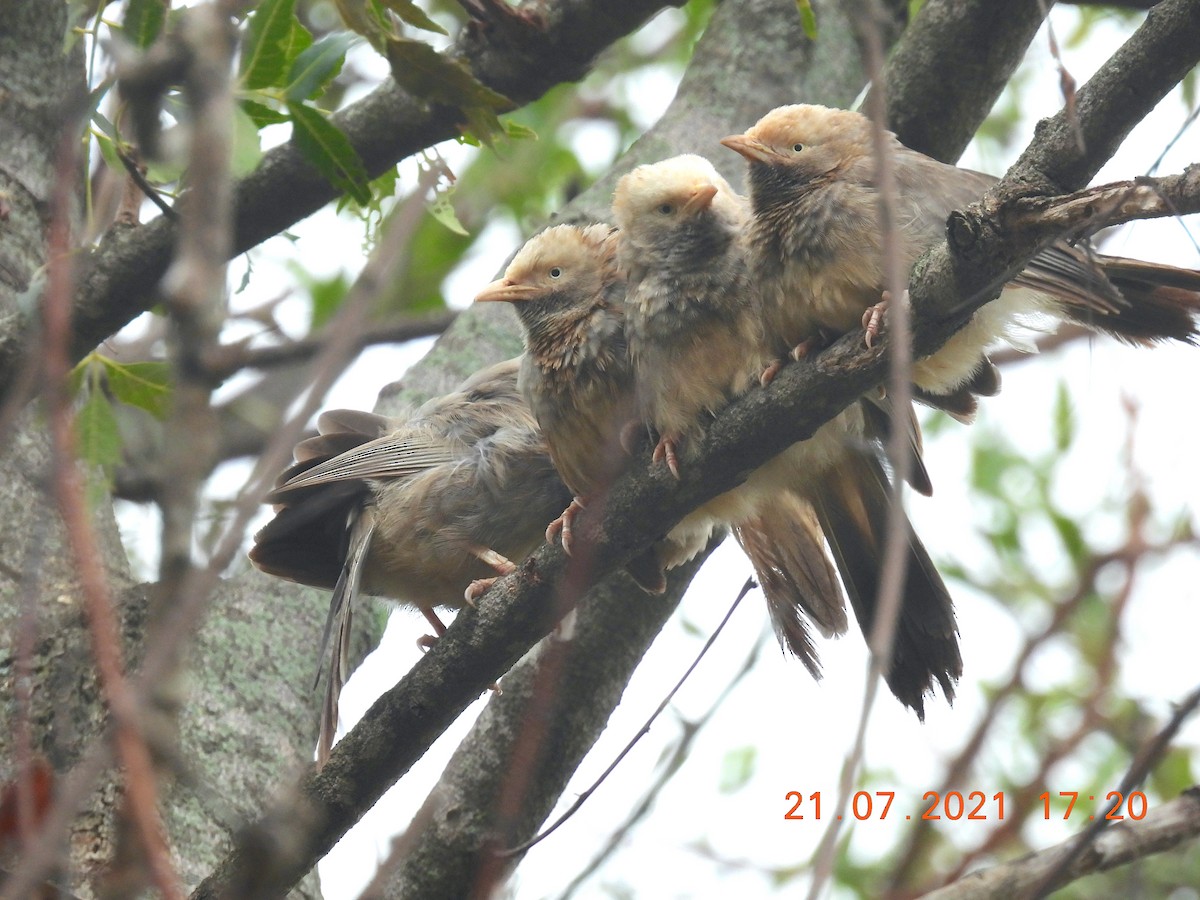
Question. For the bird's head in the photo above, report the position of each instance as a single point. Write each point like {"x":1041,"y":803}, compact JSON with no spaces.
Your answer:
{"x":802,"y":143}
{"x":560,"y":273}
{"x":675,"y":207}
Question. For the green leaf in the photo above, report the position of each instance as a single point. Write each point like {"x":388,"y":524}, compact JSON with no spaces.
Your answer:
{"x":441,"y":210}
{"x":143,"y":21}
{"x":435,"y":78}
{"x":808,"y":19}
{"x":274,"y":38}
{"x":329,"y":150}
{"x":413,"y":15}
{"x":99,"y":440}
{"x":366,"y":18}
{"x":326,"y":294}
{"x":146,"y":385}
{"x":1064,"y":419}
{"x":108,"y":150}
{"x":914,"y":7}
{"x":247,"y":150}
{"x":518,"y":132}
{"x":317,"y":66}
{"x":737,"y":768}
{"x":261,"y":114}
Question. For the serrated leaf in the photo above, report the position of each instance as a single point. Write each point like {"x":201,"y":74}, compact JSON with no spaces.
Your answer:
{"x":274,"y":38}
{"x":737,"y":768}
{"x":808,"y":19}
{"x":143,"y":21}
{"x":413,"y":15}
{"x":261,"y":114}
{"x":146,"y":385}
{"x":317,"y":66}
{"x":441,"y":210}
{"x":435,"y":78}
{"x":324,"y":145}
{"x":99,"y":440}
{"x":247,"y":149}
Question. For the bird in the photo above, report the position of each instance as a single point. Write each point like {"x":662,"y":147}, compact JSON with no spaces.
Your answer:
{"x":697,"y":340}
{"x":819,"y":257}
{"x":576,"y":374}
{"x":425,"y":509}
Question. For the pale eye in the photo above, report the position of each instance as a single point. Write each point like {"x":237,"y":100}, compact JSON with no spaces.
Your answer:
{"x":556,"y":272}
{"x":666,"y":209}
{"x":796,"y":148}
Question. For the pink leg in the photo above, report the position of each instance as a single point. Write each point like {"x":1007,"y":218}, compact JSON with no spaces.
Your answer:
{"x":479,"y":586}
{"x":872,"y":319}
{"x":664,"y":450}
{"x":563,"y":524}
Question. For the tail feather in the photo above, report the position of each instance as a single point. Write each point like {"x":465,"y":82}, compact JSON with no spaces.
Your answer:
{"x":785,"y":546}
{"x":341,"y":610}
{"x":852,"y":504}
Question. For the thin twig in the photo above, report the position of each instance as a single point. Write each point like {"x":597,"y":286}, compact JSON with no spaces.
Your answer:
{"x":641,"y":732}
{"x":668,"y":769}
{"x":140,"y":783}
{"x":895,"y":554}
{"x":1145,"y":761}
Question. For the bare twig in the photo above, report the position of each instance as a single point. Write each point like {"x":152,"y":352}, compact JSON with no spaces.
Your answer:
{"x":667,"y":770}
{"x":1064,"y":862}
{"x":641,"y":732}
{"x":140,"y":782}
{"x":1162,"y":829}
{"x":895,"y":553}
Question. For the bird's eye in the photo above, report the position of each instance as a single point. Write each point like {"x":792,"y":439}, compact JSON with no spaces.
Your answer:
{"x":796,"y":148}
{"x":556,"y":272}
{"x":666,"y":209}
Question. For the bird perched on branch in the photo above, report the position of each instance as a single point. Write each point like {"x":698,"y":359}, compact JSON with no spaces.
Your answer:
{"x":819,"y":253}
{"x":424,"y":509}
{"x":694,"y":325}
{"x":576,"y":373}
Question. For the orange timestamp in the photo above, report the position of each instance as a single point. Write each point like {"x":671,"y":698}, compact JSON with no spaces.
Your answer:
{"x":972,"y":806}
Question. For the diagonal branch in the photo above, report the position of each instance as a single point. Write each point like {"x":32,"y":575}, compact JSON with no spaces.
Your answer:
{"x":121,"y":277}
{"x":485,"y":642}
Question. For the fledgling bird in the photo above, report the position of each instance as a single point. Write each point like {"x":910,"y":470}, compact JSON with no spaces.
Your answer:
{"x":424,"y":509}
{"x":819,"y":255}
{"x":696,"y":340}
{"x":576,"y":373}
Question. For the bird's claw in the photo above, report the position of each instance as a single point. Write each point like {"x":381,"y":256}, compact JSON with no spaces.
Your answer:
{"x":477,"y":589}
{"x":802,"y":349}
{"x":872,"y":319}
{"x":562,"y":525}
{"x":425,"y":642}
{"x":769,"y":373}
{"x":664,"y":451}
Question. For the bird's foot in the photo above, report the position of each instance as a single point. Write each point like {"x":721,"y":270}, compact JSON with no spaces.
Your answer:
{"x":805,"y":347}
{"x":477,"y":589}
{"x":563,"y":524}
{"x":872,"y":319}
{"x":769,"y":373}
{"x":664,"y":451}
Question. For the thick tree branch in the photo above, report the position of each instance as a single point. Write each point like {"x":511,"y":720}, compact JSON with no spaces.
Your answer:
{"x":951,"y":66}
{"x":484,"y":642}
{"x":121,"y":277}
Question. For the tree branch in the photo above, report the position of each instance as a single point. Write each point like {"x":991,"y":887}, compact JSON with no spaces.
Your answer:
{"x":1163,"y":829}
{"x":121,"y":276}
{"x":951,"y":66}
{"x":642,"y":505}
